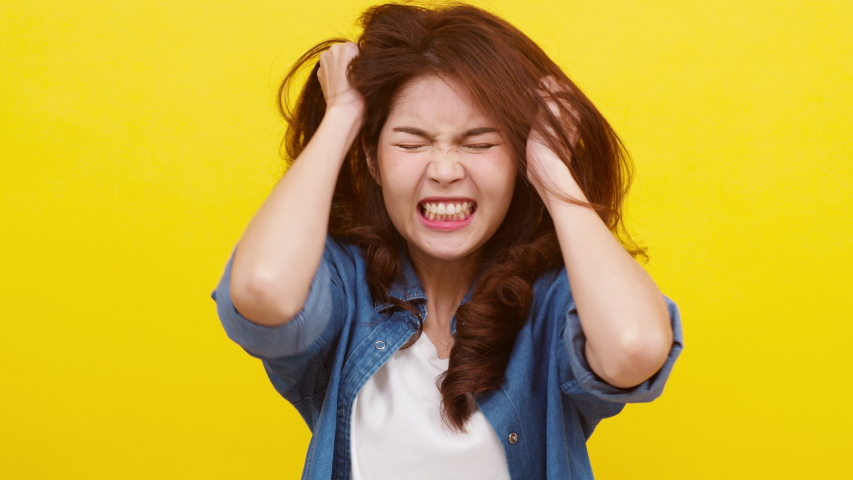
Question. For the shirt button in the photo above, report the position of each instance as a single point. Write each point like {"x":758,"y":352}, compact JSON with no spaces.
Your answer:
{"x":380,"y":345}
{"x":341,"y":412}
{"x":513,"y":438}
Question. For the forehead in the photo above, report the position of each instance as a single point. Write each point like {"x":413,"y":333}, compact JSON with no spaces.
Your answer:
{"x":441,"y":102}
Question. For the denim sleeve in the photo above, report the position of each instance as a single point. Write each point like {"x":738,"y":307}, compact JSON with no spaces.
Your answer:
{"x":590,"y":383}
{"x":293,"y":354}
{"x":285,"y":340}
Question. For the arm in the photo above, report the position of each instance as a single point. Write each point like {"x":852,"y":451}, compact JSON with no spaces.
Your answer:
{"x":623,"y":315}
{"x":280,"y":251}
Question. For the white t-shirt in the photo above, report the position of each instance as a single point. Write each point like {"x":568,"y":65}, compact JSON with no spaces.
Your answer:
{"x":397,"y":431}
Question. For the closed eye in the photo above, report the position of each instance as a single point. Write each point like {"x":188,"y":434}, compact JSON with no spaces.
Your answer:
{"x":408,"y":148}
{"x":481,"y":147}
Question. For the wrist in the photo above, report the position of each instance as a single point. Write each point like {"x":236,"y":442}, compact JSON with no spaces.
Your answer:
{"x":554,"y":182}
{"x":558,"y":200}
{"x":346,"y":112}
{"x":346,"y":119}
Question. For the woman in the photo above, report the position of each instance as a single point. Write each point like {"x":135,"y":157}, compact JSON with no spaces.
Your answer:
{"x":406,"y":283}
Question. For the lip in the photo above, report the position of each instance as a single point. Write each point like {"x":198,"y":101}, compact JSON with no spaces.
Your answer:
{"x":445,"y":226}
{"x":446,"y":200}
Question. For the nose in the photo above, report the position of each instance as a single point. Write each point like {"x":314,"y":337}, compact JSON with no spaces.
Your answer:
{"x":444,"y":167}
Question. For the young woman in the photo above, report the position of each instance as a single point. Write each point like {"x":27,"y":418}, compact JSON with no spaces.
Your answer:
{"x":407,"y":282}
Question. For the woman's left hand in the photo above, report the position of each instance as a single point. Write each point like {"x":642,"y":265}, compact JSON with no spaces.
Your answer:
{"x":545,"y":170}
{"x":623,"y":315}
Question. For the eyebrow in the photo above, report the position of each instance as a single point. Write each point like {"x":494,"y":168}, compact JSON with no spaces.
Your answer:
{"x":422,"y":133}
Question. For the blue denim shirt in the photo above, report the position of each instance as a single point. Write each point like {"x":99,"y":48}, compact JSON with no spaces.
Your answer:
{"x":546,"y":409}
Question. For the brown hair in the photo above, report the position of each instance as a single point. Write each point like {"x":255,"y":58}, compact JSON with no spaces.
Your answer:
{"x":502,"y":69}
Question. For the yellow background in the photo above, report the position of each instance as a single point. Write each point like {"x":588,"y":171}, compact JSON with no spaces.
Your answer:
{"x":138,"y":138}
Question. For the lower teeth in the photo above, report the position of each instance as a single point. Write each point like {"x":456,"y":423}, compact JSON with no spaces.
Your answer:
{"x":446,"y":218}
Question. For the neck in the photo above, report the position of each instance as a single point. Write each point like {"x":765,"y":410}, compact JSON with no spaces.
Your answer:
{"x":445,"y":283}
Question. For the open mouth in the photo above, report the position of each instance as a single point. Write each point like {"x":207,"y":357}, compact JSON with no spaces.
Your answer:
{"x":447,"y":211}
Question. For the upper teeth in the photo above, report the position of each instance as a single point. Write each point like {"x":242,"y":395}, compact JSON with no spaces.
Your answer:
{"x":448,"y":208}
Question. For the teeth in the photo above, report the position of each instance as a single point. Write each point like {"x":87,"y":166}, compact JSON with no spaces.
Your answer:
{"x":447,"y":211}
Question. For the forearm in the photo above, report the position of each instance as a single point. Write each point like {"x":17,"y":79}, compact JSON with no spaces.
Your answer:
{"x":622,"y":312}
{"x":281,"y":248}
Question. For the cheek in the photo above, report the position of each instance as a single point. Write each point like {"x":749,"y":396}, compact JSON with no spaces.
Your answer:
{"x":500,"y":177}
{"x":395,"y":186}
{"x":398,"y":189}
{"x":400,"y":174}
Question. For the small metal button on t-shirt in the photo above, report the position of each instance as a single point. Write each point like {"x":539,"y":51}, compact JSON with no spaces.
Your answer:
{"x":513,"y":437}
{"x":380,"y":345}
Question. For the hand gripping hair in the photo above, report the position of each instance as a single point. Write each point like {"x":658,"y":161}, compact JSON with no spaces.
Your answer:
{"x":515,"y":83}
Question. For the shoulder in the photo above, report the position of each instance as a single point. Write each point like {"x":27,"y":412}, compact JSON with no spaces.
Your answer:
{"x":341,"y":249}
{"x":344,"y":259}
{"x":552,"y":303}
{"x":551,"y":290}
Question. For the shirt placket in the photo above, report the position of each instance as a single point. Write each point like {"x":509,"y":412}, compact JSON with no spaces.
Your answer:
{"x":367,"y":356}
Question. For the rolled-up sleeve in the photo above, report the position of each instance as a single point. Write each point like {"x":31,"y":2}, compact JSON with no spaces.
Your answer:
{"x":592,"y":384}
{"x":290,"y":339}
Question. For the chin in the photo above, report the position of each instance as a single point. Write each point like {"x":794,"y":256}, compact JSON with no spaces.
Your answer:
{"x":445,"y":251}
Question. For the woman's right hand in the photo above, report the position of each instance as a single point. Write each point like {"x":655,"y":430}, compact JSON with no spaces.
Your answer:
{"x":332,"y":75}
{"x":278,"y":256}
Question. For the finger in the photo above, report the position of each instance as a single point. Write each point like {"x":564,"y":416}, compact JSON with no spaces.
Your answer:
{"x":555,"y":94}
{"x":558,"y":98}
{"x":349,"y":51}
{"x":321,"y":74}
{"x":549,"y":84}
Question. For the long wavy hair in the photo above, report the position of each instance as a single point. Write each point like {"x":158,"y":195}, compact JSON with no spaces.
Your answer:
{"x":502,"y":69}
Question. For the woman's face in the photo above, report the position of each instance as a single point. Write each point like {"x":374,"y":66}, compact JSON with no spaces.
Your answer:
{"x":445,"y":170}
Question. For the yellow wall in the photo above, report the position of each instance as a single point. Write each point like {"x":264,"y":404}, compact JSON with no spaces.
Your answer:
{"x":138,"y":137}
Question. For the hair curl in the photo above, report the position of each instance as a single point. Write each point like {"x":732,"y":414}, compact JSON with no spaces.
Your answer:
{"x":502,"y":69}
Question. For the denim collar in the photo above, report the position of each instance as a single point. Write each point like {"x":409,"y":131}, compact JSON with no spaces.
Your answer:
{"x":409,"y":288}
{"x":406,"y":288}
